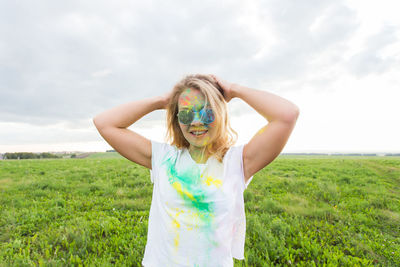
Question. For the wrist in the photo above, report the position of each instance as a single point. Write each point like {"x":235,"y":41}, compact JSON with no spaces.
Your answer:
{"x":236,"y":90}
{"x":160,"y":102}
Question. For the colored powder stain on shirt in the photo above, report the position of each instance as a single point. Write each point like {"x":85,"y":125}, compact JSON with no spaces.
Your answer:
{"x":190,"y":187}
{"x":182,"y":192}
{"x":209,"y":180}
{"x":188,"y":184}
{"x":176,"y":225}
{"x":176,"y":228}
{"x":176,"y":240}
{"x":178,"y":212}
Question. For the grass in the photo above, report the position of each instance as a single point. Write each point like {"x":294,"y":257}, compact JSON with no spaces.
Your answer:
{"x":101,"y":155}
{"x":301,"y":211}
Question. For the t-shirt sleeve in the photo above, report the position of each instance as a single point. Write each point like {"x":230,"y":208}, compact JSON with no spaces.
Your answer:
{"x":239,"y":158}
{"x":236,"y":170}
{"x":158,"y":151}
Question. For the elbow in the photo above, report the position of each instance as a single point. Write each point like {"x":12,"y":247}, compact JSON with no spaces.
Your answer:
{"x":96,"y":122}
{"x":296,"y":112}
{"x":293,"y":115}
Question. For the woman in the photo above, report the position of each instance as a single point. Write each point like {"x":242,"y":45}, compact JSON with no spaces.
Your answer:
{"x":197,"y":213}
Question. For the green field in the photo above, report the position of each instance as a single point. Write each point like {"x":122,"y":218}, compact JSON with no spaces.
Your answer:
{"x":301,"y":211}
{"x":101,"y":155}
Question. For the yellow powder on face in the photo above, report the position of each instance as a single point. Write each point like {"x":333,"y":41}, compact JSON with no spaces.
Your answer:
{"x":205,"y":141}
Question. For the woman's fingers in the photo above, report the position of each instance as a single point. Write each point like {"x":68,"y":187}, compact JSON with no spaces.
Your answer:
{"x":215,"y":77}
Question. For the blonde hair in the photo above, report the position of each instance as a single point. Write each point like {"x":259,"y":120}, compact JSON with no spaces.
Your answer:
{"x":225,"y":135}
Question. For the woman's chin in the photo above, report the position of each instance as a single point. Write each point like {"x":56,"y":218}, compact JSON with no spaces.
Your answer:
{"x":200,"y":143}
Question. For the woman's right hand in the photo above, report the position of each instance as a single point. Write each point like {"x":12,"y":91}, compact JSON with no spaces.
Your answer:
{"x":226,"y":87}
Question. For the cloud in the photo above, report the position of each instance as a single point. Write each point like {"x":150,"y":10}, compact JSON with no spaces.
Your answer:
{"x":371,"y":60}
{"x":305,"y":30}
{"x":70,"y":62}
{"x":62,"y":63}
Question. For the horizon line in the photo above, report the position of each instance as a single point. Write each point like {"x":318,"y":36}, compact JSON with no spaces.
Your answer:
{"x":290,"y":152}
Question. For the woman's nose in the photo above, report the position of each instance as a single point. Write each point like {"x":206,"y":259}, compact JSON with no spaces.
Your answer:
{"x":196,"y":119}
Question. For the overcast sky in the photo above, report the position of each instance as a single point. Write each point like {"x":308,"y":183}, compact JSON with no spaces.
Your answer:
{"x":63,"y":62}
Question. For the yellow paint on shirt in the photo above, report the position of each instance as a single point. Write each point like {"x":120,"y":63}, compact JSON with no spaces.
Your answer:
{"x":210,"y":180}
{"x":178,"y":188}
{"x":176,"y":225}
{"x":178,"y":212}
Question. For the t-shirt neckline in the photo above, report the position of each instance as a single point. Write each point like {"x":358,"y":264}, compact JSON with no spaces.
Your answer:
{"x":201,"y":164}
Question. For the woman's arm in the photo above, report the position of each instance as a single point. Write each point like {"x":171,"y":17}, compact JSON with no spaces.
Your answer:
{"x":125,"y":115}
{"x":269,"y":141}
{"x":112,"y":125}
{"x":268,"y":105}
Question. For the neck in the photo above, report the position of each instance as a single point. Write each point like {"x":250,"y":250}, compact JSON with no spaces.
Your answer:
{"x":198,"y":154}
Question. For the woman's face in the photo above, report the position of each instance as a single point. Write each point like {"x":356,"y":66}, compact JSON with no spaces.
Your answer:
{"x":193,"y":99}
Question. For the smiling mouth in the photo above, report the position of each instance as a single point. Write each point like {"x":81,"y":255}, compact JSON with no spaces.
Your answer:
{"x":198,"y":133}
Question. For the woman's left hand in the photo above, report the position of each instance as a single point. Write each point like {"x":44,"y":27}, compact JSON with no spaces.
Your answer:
{"x":226,"y":86}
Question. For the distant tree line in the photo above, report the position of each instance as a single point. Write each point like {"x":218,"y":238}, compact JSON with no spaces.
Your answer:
{"x":344,"y":154}
{"x":29,"y":155}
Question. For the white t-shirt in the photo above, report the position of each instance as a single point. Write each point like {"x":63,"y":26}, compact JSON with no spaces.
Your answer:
{"x":197,"y":216}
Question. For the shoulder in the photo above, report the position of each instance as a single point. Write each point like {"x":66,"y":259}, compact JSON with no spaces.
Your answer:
{"x":160,"y":149}
{"x":235,"y":162}
{"x":233,"y":154}
{"x":162,"y":145}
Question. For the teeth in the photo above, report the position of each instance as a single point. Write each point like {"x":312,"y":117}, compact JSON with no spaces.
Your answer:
{"x":198,"y":133}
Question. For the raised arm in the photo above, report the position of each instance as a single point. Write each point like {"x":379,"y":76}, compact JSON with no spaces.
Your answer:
{"x":269,"y":141}
{"x":112,"y":125}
